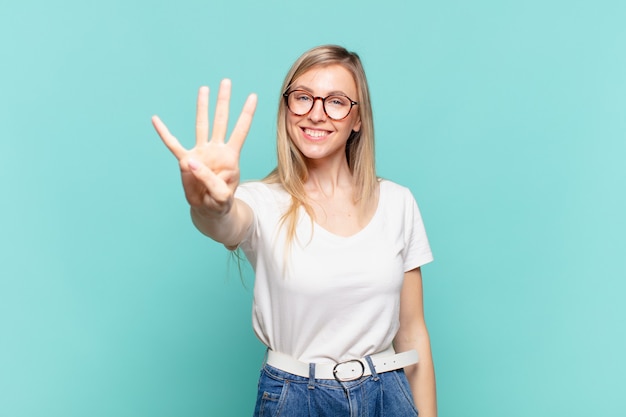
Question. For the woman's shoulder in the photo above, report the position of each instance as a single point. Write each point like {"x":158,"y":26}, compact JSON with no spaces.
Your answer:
{"x":399,"y":202}
{"x":391,"y":189}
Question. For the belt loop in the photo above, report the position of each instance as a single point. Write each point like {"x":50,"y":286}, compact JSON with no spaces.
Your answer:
{"x":311,"y":375}
{"x":372,"y":368}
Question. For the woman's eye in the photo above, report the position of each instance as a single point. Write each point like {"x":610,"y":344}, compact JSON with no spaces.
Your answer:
{"x":303,"y":97}
{"x":337,"y":101}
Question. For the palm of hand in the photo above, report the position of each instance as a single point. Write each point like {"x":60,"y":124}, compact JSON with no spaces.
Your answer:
{"x":219,"y":159}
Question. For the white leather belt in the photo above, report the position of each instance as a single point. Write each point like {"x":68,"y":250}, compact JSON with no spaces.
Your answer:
{"x":349,"y":370}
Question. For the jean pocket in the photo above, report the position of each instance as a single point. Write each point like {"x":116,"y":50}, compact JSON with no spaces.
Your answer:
{"x":271,"y":396}
{"x":403,"y":394}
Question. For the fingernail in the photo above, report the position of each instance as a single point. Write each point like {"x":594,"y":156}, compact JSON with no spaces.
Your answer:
{"x":193,"y":165}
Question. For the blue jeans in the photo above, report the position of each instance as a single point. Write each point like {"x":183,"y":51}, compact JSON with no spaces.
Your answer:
{"x":378,"y":395}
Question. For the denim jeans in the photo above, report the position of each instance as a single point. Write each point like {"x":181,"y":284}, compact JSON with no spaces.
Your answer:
{"x":378,"y":395}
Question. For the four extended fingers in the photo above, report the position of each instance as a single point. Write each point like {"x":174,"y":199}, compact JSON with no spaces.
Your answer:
{"x":220,"y":127}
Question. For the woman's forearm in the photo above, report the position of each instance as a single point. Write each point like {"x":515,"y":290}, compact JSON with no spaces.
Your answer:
{"x":228,"y":229}
{"x":421,"y":377}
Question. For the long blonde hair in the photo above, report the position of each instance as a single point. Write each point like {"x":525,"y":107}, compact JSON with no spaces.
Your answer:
{"x":291,"y":171}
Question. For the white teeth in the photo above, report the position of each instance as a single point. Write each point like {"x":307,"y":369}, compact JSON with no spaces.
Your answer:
{"x":315,"y":133}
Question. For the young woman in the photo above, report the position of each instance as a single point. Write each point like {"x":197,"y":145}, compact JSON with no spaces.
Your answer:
{"x":336,"y":250}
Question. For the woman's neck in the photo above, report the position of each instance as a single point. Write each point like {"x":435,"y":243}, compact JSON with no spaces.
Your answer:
{"x":326,"y":178}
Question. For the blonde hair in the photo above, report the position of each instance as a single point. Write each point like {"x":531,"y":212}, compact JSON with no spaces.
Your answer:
{"x":291,"y":171}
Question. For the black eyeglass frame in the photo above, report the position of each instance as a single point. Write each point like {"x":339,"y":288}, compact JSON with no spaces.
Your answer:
{"x":287,"y":93}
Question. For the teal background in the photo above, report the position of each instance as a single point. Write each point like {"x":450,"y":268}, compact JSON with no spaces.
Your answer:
{"x":505,"y":118}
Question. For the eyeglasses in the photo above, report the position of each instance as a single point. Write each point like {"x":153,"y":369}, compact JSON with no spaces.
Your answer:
{"x":336,"y":107}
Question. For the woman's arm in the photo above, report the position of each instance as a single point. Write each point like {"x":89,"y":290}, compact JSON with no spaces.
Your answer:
{"x":413,"y":334}
{"x":229,"y":229}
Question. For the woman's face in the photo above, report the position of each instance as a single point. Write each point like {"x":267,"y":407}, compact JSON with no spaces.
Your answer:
{"x":315,"y":134}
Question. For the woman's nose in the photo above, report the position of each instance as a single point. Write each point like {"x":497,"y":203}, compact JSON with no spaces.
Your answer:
{"x":317,"y":113}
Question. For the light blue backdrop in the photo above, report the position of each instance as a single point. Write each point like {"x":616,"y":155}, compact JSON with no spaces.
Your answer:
{"x":505,"y":118}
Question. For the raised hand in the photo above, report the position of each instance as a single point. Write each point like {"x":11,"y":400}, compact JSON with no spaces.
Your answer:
{"x":210,"y":170}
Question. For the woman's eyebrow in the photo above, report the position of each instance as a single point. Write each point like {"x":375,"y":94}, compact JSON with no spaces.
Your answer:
{"x":301,"y":87}
{"x":307,"y":89}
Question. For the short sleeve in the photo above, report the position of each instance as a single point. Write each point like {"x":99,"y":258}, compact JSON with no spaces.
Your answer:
{"x":251,"y":194}
{"x":417,"y":250}
{"x":268,"y":202}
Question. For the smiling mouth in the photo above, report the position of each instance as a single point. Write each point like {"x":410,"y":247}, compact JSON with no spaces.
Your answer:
{"x":314,"y":133}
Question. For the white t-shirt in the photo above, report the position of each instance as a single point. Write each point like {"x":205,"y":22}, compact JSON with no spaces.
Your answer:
{"x":331,"y":298}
